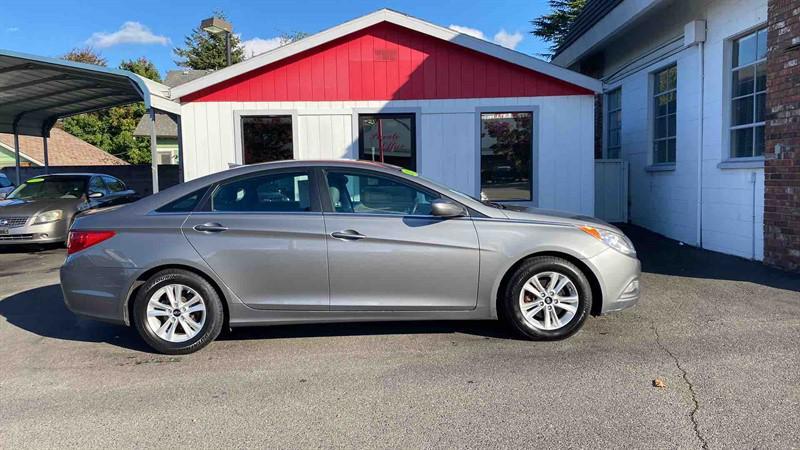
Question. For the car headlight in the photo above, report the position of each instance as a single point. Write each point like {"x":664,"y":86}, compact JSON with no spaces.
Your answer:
{"x":617,"y":241}
{"x":49,"y":216}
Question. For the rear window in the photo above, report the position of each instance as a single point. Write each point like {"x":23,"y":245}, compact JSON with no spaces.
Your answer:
{"x":187,"y":203}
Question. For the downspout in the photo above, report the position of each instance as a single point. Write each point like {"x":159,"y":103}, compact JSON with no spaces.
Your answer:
{"x":700,"y":129}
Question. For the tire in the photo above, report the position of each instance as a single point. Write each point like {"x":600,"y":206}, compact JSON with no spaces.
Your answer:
{"x":576,"y":293}
{"x":191,"y":327}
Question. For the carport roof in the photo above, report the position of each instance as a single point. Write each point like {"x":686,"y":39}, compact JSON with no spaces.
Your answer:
{"x":36,"y":91}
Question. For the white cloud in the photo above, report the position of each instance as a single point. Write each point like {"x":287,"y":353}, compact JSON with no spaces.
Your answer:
{"x":12,"y":29}
{"x":504,"y":38}
{"x":128,"y":33}
{"x":467,"y":30}
{"x":257,"y":46}
{"x":507,"y":39}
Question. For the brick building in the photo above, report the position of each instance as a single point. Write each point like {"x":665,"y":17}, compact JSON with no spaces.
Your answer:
{"x":702,"y":103}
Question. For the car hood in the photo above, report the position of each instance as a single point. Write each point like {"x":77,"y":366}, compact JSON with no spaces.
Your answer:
{"x":550,"y":215}
{"x":18,"y":207}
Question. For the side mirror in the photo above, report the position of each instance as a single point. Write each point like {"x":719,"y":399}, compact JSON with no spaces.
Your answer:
{"x":95,"y":194}
{"x":445,"y":208}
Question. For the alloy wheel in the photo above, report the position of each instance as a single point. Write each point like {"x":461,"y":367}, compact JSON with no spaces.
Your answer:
{"x":176,"y":313}
{"x":548,"y":301}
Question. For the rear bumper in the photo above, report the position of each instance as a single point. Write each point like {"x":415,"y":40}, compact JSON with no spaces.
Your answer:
{"x":46,"y":233}
{"x":96,"y":292}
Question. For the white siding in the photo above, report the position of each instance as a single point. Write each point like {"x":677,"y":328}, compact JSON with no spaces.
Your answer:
{"x":446,"y":151}
{"x":667,"y":202}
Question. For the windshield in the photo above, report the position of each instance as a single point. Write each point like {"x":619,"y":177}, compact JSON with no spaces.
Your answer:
{"x":50,"y":188}
{"x":457,"y":193}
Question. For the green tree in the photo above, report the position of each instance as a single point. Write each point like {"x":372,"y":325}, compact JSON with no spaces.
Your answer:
{"x":206,"y":51}
{"x":554,"y":27}
{"x":112,"y":129}
{"x":141,"y":66}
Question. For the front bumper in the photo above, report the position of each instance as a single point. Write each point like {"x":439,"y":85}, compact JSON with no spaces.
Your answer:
{"x":619,"y":279}
{"x":45,"y":233}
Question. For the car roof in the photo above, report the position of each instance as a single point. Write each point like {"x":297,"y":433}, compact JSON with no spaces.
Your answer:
{"x":73,"y":174}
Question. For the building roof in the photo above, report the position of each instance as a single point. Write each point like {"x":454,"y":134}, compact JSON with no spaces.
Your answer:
{"x":399,"y":19}
{"x":589,"y":16}
{"x":166,"y":126}
{"x":599,"y":22}
{"x":63,"y":149}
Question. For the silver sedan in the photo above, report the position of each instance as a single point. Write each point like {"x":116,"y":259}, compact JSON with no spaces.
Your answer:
{"x":338,"y":241}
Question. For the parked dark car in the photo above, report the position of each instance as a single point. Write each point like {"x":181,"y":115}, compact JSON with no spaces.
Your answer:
{"x":41,"y":210}
{"x":6,"y":186}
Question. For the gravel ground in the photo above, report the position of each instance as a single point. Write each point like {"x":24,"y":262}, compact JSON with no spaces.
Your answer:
{"x":721,"y":332}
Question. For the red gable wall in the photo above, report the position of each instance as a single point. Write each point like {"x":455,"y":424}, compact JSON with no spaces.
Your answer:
{"x":386,"y":62}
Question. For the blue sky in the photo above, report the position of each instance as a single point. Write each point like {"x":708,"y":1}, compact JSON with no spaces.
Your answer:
{"x":129,"y":29}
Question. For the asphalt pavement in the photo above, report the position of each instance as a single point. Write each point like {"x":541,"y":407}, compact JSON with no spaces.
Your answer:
{"x":721,"y":333}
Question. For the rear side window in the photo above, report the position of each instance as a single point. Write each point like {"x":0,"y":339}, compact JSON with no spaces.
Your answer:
{"x":187,"y":203}
{"x":114,"y":185}
{"x":281,"y":192}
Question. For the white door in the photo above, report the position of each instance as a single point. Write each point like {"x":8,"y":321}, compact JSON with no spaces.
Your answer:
{"x":611,"y":190}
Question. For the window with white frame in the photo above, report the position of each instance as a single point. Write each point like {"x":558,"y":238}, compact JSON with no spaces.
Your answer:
{"x":665,"y":101}
{"x":748,"y":94}
{"x":614,"y":124}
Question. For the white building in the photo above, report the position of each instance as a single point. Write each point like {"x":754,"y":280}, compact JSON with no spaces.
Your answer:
{"x":463,"y":111}
{"x":684,"y":105}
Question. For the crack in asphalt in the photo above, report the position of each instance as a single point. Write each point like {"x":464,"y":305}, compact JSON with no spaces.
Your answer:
{"x":695,"y":402}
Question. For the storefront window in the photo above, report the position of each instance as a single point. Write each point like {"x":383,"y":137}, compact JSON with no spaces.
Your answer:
{"x":266,"y":138}
{"x":506,"y":150}
{"x":388,"y":138}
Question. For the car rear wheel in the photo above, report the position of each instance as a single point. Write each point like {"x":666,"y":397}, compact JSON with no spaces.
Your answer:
{"x":547,"y":298}
{"x":177,"y":312}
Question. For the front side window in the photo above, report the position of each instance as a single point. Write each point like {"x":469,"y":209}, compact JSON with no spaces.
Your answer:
{"x":664,"y":115}
{"x":282,"y":192}
{"x":388,"y":138}
{"x":506,"y":152}
{"x":373,"y":194}
{"x":614,"y":124}
{"x":266,"y":138}
{"x":748,"y":94}
{"x":4,"y":182}
{"x":97,"y":185}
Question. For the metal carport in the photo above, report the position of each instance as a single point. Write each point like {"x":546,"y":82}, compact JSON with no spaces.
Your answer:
{"x":36,"y":91}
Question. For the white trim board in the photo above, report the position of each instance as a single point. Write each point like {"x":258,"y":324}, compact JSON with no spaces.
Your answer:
{"x":403,"y":20}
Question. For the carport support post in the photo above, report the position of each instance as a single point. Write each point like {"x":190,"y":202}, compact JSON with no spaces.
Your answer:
{"x":16,"y":154}
{"x":153,"y":149}
{"x":46,"y":156}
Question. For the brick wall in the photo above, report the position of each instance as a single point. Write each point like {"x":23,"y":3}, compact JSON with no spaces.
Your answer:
{"x":782,"y":153}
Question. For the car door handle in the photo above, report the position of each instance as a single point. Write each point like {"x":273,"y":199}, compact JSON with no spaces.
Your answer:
{"x":210,"y":227}
{"x":348,"y":235}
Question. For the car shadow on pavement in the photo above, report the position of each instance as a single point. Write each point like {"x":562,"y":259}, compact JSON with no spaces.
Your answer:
{"x":42,"y":311}
{"x":485,"y":329}
{"x":665,"y":256}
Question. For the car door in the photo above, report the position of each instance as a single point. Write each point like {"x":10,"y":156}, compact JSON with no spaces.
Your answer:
{"x":387,"y":252}
{"x":96,"y":185}
{"x":264,"y":235}
{"x":119,"y":194}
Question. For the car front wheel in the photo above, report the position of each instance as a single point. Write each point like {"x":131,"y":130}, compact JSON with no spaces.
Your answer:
{"x":177,"y":312}
{"x":547,"y":298}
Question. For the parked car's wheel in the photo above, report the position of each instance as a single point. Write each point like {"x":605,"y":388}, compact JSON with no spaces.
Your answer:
{"x":547,"y":298}
{"x":177,"y":312}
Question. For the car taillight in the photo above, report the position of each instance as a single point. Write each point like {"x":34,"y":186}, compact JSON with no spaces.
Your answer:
{"x":81,"y":240}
